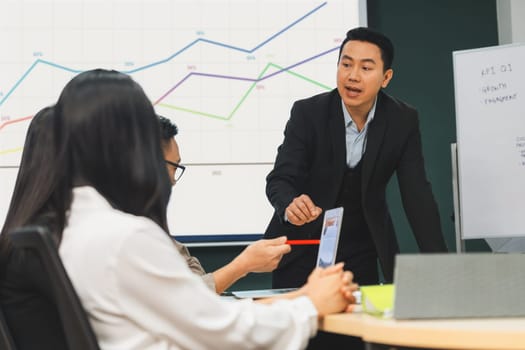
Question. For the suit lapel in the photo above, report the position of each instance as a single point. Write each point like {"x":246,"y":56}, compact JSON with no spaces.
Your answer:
{"x":374,"y":140}
{"x":337,"y":130}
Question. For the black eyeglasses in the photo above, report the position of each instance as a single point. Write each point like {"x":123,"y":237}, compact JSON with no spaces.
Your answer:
{"x":179,"y":169}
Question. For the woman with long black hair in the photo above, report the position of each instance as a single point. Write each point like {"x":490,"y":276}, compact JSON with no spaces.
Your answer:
{"x":39,"y":198}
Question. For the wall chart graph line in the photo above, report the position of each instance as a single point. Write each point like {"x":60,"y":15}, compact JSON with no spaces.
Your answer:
{"x":177,"y":53}
{"x":243,"y":98}
{"x":231,"y":77}
{"x":260,"y":78}
{"x":205,"y":114}
{"x":14,"y":121}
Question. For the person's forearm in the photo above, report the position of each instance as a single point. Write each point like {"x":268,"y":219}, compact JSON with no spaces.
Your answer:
{"x":228,"y":275}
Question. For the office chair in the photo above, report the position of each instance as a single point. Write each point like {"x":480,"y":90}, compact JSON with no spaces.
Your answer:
{"x":78,"y":331}
{"x":6,"y":341}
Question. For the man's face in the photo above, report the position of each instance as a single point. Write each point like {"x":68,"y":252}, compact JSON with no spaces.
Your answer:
{"x":171,"y":154}
{"x":360,"y":76}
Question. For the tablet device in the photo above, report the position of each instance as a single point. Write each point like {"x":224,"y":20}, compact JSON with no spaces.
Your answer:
{"x":330,"y":232}
{"x":326,"y":253}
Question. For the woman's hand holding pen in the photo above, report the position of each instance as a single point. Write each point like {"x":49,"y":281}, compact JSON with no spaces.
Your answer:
{"x":263,"y":255}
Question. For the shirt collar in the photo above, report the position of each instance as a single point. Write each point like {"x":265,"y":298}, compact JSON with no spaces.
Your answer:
{"x":88,"y":197}
{"x":348,"y":118}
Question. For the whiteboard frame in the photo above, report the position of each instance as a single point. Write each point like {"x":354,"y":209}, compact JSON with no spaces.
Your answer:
{"x":460,"y":231}
{"x":460,"y":243}
{"x":234,"y":238}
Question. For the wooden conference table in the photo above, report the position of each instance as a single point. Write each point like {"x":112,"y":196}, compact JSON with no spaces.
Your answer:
{"x":483,"y":333}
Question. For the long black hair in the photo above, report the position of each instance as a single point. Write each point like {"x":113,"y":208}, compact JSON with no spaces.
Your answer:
{"x":40,"y":195}
{"x":114,"y":142}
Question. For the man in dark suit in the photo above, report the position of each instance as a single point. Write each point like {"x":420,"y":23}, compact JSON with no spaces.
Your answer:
{"x":340,"y":149}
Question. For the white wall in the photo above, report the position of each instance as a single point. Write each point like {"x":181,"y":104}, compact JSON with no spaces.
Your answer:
{"x":511,"y":26}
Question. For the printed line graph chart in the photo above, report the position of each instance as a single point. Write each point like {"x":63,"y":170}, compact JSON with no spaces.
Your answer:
{"x":225,"y":71}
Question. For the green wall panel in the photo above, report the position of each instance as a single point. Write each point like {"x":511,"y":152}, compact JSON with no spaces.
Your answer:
{"x":425,"y":33}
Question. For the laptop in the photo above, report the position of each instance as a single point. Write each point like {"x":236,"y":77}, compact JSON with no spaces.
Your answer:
{"x":326,"y":254}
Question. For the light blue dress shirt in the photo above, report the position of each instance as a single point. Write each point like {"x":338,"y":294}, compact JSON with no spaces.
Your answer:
{"x":356,"y":140}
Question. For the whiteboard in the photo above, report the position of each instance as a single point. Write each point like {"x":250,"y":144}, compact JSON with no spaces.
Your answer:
{"x":225,"y":71}
{"x":490,"y":120}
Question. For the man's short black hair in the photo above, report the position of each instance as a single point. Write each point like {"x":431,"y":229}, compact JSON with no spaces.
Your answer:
{"x":168,"y":129}
{"x":368,"y":35}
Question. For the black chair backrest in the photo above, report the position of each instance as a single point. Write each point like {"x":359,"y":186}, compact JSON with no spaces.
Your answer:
{"x":78,"y":331}
{"x":6,"y":341}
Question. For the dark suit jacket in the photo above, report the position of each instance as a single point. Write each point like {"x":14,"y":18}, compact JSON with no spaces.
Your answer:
{"x":312,"y":160}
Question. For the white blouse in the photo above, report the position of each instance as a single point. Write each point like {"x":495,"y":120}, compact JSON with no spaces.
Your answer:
{"x":139,"y":293}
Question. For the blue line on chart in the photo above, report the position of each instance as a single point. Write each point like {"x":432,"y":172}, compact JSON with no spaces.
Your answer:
{"x":76,"y":71}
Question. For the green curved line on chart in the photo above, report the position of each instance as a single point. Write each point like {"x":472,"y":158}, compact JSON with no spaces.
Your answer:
{"x":243,"y":98}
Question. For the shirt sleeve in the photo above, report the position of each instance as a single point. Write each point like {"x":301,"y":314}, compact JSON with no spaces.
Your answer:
{"x":195,"y":265}
{"x":192,"y":262}
{"x":157,"y":291}
{"x":292,"y":167}
{"x":209,"y":281}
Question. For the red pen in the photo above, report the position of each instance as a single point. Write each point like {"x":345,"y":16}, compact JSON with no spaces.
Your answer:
{"x":302,"y":241}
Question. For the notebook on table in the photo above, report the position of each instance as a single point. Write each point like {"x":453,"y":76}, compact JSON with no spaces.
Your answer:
{"x":326,"y":253}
